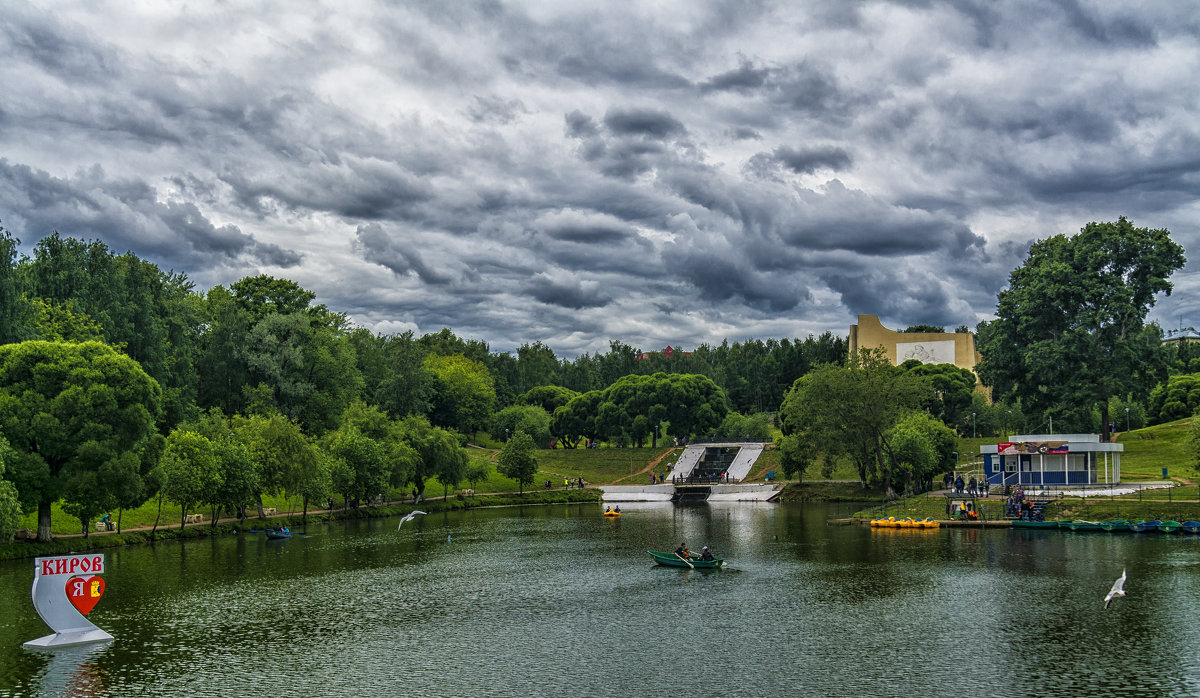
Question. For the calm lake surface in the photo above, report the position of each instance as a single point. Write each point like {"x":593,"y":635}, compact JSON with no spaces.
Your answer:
{"x":558,"y":601}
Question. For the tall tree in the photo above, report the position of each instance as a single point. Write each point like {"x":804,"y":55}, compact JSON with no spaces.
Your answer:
{"x":191,"y":471}
{"x":1070,"y":331}
{"x":67,"y":409}
{"x":517,"y":460}
{"x":10,"y":502}
{"x":464,"y":395}
{"x":849,"y":411}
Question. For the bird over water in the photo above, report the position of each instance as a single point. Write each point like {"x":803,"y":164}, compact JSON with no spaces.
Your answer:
{"x":1118,"y":589}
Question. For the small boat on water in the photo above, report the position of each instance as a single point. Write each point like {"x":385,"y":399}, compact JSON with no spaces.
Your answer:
{"x":673,"y":560}
{"x":1190,"y":526}
{"x":279,"y":535}
{"x":612,"y":512}
{"x":1144,"y":526}
{"x":1115,"y":525}
{"x":1080,"y":525}
{"x":1168,"y":526}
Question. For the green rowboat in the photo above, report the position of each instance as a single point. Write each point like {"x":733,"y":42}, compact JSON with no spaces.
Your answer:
{"x":1169,"y":526}
{"x":1115,"y":525}
{"x":1080,"y":525}
{"x":673,"y":560}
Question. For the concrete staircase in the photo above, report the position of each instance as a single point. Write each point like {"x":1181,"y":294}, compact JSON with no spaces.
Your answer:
{"x":687,"y":462}
{"x":743,"y":462}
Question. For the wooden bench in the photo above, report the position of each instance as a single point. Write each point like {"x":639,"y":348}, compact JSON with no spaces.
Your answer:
{"x":193,"y":518}
{"x":268,"y":511}
{"x":99,"y":525}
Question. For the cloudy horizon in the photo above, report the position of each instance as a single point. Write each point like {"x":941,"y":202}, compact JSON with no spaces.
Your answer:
{"x":577,"y":172}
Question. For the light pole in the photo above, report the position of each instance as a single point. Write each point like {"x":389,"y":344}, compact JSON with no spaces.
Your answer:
{"x":1127,"y":419}
{"x":972,"y":425}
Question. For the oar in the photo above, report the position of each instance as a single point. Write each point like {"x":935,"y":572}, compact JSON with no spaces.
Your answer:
{"x":685,"y":561}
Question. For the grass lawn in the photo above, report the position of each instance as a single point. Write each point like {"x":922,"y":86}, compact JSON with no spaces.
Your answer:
{"x":1149,"y":450}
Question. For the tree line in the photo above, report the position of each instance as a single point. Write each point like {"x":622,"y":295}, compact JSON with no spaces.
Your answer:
{"x":121,"y":382}
{"x":261,"y":348}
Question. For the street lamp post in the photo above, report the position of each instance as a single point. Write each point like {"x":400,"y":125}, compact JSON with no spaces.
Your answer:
{"x":972,"y":425}
{"x":1127,"y":419}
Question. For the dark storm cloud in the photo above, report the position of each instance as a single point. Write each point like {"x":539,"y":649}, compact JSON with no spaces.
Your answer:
{"x":643,"y":122}
{"x":809,"y":160}
{"x":368,"y":190}
{"x":127,"y":215}
{"x":396,"y":254}
{"x":567,"y":293}
{"x":744,"y":77}
{"x":649,"y":173}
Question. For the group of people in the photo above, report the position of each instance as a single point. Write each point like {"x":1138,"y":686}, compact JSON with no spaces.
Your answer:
{"x":1017,"y":505}
{"x":972,"y":487}
{"x":683,"y":553}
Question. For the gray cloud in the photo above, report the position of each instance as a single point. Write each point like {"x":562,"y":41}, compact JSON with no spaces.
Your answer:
{"x":520,"y":171}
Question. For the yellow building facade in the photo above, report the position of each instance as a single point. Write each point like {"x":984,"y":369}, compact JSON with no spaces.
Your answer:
{"x":956,"y":348}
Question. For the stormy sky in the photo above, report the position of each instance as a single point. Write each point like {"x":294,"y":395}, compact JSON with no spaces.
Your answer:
{"x":575,"y":172}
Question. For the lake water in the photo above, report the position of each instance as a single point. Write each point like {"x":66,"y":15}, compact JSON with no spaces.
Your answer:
{"x":559,"y":601}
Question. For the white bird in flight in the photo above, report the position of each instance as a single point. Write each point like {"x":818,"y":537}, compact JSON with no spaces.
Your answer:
{"x":411,"y":515}
{"x":1117,"y":590}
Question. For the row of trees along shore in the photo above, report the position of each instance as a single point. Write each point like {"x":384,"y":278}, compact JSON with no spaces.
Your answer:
{"x":120,"y":383}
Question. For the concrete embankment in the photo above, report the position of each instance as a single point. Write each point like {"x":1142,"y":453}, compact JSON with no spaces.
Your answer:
{"x":665,"y":493}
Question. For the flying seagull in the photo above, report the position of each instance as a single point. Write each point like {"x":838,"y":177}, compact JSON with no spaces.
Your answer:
{"x":1117,"y":590}
{"x":411,"y":515}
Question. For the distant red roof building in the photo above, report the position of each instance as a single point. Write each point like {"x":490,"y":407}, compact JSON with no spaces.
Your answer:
{"x":668,"y":352}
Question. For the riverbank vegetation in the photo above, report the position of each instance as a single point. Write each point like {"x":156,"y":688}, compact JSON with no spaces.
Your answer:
{"x":126,"y":392}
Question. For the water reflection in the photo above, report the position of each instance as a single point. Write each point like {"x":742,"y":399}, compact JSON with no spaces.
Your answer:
{"x":558,"y":600}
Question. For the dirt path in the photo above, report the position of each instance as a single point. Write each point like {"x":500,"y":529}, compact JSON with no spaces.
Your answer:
{"x":652,"y":466}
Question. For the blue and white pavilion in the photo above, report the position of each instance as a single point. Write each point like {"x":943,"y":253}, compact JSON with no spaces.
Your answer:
{"x":1052,"y":459}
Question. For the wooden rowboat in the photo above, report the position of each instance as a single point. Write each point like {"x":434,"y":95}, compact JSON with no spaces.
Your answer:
{"x":673,"y":560}
{"x":278,"y":535}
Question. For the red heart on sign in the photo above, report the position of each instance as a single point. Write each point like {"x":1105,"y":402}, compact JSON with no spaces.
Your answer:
{"x":84,"y":592}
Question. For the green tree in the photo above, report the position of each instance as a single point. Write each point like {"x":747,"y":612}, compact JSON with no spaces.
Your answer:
{"x":478,"y":470}
{"x":530,"y":419}
{"x":920,"y":447}
{"x":13,"y":305}
{"x":10,"y":503}
{"x":1177,"y":398}
{"x":67,"y":409}
{"x":517,"y":460}
{"x":438,"y":453}
{"x":849,"y":411}
{"x":280,"y":453}
{"x":394,"y":374}
{"x":360,"y":469}
{"x":191,"y":473}
{"x":536,"y":365}
{"x":144,"y":312}
{"x":952,"y":388}
{"x":547,"y":397}
{"x":464,"y":395}
{"x":308,"y":367}
{"x":1070,"y":331}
